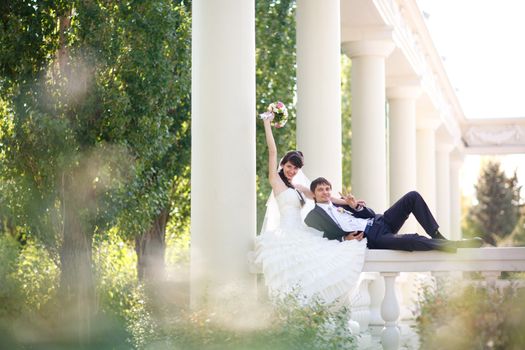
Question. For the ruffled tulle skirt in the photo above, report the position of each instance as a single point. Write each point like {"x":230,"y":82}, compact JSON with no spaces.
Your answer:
{"x":299,"y":260}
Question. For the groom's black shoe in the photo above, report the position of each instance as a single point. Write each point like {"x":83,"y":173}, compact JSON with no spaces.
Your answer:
{"x":438,"y":235}
{"x":475,"y":242}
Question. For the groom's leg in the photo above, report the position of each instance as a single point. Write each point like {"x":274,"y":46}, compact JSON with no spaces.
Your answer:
{"x":411,"y":242}
{"x":412,"y":202}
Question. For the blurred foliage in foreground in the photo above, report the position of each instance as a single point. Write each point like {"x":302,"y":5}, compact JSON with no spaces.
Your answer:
{"x":129,"y":318}
{"x":474,"y":317}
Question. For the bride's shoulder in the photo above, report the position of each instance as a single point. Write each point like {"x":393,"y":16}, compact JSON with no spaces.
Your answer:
{"x":277,"y":184}
{"x":281,"y":191}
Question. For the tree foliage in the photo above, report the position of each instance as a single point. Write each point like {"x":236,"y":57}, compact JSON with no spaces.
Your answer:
{"x":346,"y":120}
{"x":95,"y":102}
{"x":474,"y":316}
{"x":276,"y":80}
{"x":497,"y":211}
{"x":518,"y":235}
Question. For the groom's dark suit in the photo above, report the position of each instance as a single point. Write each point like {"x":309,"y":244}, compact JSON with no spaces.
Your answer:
{"x":382,"y":234}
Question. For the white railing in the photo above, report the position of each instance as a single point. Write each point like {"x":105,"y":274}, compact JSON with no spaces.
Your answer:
{"x":490,"y":262}
{"x":375,"y":304}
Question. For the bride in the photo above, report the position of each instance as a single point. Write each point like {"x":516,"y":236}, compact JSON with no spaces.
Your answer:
{"x":293,"y":256}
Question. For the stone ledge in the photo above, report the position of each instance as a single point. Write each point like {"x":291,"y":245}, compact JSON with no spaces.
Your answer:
{"x":468,"y":259}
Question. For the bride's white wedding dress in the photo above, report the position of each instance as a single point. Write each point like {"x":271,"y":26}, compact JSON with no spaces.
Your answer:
{"x":294,"y":256}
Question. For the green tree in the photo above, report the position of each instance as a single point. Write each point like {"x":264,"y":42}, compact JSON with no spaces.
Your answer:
{"x":346,"y":120}
{"x":517,"y":238}
{"x":161,"y":191}
{"x":275,"y":79}
{"x":469,"y":227}
{"x":94,"y":124}
{"x":497,"y":211}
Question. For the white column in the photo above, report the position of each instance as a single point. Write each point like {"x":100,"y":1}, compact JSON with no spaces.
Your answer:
{"x":426,"y":158}
{"x":319,"y":88}
{"x":369,"y":162}
{"x":402,"y":140}
{"x":223,"y":202}
{"x":443,"y":188}
{"x":455,"y":195}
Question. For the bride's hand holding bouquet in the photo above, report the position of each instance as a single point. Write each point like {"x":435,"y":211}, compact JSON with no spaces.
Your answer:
{"x":276,"y":113}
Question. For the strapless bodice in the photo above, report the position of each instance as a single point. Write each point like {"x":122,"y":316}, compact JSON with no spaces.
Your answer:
{"x":289,"y":208}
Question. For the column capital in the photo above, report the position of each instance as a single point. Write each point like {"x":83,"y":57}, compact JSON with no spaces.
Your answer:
{"x":368,"y":41}
{"x":379,"y":48}
{"x":457,"y":157}
{"x":400,"y":87}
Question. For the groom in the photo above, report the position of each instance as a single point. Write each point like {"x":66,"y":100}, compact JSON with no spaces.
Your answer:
{"x":357,"y":221}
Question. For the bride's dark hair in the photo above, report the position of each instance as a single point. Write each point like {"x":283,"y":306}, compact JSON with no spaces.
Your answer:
{"x":296,"y":158}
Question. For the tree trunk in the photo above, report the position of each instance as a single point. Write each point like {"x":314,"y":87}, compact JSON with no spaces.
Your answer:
{"x":77,"y":289}
{"x":150,"y":248}
{"x":64,"y":22}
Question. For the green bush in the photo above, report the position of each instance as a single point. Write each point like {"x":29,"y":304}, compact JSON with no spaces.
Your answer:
{"x":120,"y":294}
{"x":38,"y":274}
{"x":11,"y":301}
{"x":287,"y":324}
{"x":31,"y":313}
{"x":126,"y":316}
{"x":28,"y":275}
{"x":28,"y":286}
{"x":474,"y":317}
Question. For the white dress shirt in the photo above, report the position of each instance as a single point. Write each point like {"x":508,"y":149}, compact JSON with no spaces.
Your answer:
{"x":343,"y":218}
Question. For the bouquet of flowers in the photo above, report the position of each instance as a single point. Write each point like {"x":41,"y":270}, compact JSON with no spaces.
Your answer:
{"x":277,"y":113}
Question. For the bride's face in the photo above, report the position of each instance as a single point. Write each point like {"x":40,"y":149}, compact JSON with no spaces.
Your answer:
{"x":290,"y":170}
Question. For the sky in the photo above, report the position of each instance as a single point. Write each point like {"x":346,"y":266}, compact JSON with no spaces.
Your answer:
{"x":482,"y":44}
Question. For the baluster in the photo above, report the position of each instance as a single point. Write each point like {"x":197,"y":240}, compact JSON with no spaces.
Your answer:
{"x":441,"y":278}
{"x":377,"y":291}
{"x":360,"y":310}
{"x":360,"y":304}
{"x":491,"y":277}
{"x":390,"y":335}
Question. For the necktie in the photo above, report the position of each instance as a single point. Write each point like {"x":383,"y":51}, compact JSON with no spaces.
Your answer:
{"x":331,"y":210}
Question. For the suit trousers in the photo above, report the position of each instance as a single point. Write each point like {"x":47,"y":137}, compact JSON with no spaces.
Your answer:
{"x":383,"y":233}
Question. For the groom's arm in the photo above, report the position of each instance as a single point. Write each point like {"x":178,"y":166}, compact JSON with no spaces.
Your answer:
{"x":314,"y":220}
{"x":361,"y":212}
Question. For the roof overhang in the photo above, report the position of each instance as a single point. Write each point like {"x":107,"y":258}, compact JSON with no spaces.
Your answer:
{"x":416,"y":61}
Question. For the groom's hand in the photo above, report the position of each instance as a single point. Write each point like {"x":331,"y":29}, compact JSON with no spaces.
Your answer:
{"x":361,"y":203}
{"x":351,"y":201}
{"x":358,"y":235}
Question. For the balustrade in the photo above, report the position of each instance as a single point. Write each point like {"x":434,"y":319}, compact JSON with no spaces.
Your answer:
{"x":373,"y":294}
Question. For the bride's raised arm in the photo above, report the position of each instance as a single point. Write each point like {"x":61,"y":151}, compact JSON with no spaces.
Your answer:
{"x":275,"y":181}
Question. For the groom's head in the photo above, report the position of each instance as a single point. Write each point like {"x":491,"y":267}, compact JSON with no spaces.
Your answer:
{"x":322,"y":190}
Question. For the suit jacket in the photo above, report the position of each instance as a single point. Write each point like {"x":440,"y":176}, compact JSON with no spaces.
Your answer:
{"x":320,"y":220}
